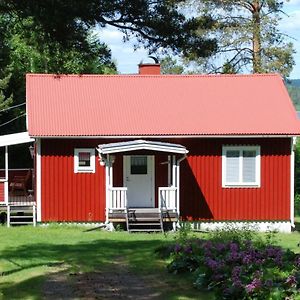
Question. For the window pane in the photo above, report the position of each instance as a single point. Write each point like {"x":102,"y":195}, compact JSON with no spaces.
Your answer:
{"x":249,"y":165}
{"x":138,"y":164}
{"x":84,"y":159}
{"x":232,"y":166}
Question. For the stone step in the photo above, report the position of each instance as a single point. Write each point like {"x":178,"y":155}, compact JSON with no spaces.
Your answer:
{"x":21,"y":223}
{"x":144,"y":224}
{"x":21,"y":217}
{"x":143,"y":210}
{"x":145,"y":230}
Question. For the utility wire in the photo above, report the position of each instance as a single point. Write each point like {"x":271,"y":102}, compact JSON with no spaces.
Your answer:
{"x":5,"y":109}
{"x":12,"y":120}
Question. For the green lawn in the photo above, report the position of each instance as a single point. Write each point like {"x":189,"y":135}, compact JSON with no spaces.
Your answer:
{"x":28,"y":255}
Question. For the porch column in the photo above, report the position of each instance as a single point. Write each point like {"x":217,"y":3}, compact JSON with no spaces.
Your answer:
{"x":174,"y":180}
{"x":169,"y":170}
{"x":6,"y":177}
{"x":108,"y":184}
{"x":177,"y":188}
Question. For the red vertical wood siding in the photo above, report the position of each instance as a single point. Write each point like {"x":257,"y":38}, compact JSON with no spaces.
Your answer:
{"x":202,"y":195}
{"x":67,"y":196}
{"x":2,"y":198}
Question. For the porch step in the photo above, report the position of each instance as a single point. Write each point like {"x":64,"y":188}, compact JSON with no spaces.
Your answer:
{"x":21,"y":215}
{"x":144,"y":220}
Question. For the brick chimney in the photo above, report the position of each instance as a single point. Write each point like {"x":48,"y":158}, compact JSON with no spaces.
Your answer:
{"x":149,"y":69}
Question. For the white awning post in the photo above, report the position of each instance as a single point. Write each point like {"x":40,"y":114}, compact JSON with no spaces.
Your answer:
{"x":108,"y":183}
{"x":177,"y":190}
{"x":107,"y":187}
{"x":6,"y":177}
{"x":174,"y":179}
{"x":169,"y":170}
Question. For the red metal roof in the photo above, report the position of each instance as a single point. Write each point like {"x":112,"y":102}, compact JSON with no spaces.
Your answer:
{"x":166,"y":105}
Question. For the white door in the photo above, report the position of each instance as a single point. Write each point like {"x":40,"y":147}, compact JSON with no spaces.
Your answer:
{"x":139,"y":180}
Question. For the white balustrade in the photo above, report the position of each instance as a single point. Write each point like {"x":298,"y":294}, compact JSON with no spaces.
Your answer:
{"x":168,"y":198}
{"x":118,"y":198}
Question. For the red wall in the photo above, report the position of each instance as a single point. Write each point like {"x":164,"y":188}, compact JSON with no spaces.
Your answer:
{"x":2,"y":192}
{"x":67,"y":196}
{"x":202,"y":195}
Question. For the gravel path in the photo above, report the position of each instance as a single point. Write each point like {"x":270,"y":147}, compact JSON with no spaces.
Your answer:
{"x":115,"y":283}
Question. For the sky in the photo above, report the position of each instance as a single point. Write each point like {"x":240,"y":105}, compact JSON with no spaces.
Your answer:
{"x":127,"y":58}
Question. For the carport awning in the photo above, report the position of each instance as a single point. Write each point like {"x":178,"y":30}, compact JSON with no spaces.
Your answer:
{"x":141,"y":145}
{"x":15,"y":139}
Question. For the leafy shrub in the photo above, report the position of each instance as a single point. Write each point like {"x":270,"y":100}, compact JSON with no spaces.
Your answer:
{"x":239,"y":268}
{"x":297,"y":204}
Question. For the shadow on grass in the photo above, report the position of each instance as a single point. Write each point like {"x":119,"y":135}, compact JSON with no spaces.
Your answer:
{"x":85,"y":257}
{"x":26,"y":289}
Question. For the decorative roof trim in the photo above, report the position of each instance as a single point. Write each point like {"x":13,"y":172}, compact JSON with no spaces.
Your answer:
{"x":141,"y":145}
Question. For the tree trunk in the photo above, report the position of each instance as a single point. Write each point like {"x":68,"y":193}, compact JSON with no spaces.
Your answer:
{"x":256,"y":38}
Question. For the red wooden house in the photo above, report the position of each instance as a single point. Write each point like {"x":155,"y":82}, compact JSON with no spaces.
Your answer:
{"x":205,"y":148}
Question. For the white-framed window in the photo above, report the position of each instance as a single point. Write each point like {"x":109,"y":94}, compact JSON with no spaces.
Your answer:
{"x":241,"y":166}
{"x":84,"y":160}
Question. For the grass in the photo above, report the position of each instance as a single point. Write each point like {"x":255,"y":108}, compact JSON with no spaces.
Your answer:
{"x":28,"y":255}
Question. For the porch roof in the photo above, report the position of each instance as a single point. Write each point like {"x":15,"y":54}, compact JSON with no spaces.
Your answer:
{"x":15,"y":139}
{"x":141,"y":145}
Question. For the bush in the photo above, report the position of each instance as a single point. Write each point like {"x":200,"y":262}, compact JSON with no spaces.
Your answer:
{"x":297,"y":204}
{"x":239,"y":268}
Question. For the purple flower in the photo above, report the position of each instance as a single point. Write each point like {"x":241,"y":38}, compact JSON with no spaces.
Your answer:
{"x":278,"y":261}
{"x":247,"y":259}
{"x":233,"y":256}
{"x":291,"y":281}
{"x":236,"y":272}
{"x":211,"y":263}
{"x":220,"y":247}
{"x":249,"y":288}
{"x":269,"y":283}
{"x":235,"y":276}
{"x":177,"y":248}
{"x":188,"y":249}
{"x":254,"y":285}
{"x":234,"y":247}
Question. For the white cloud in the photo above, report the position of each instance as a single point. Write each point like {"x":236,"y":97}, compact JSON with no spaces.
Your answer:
{"x":292,"y":3}
{"x":291,"y":22}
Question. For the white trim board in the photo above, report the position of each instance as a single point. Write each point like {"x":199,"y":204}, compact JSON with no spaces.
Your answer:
{"x":263,"y":226}
{"x":15,"y":139}
{"x":166,"y":136}
{"x":135,"y":145}
{"x":240,"y":183}
{"x":38,"y":181}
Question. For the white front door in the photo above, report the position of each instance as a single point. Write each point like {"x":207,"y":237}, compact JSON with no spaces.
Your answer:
{"x":139,"y":180}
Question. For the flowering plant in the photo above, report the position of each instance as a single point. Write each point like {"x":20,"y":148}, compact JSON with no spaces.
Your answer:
{"x":239,"y":269}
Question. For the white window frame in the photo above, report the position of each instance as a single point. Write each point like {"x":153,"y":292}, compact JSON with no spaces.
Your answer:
{"x":84,"y":169}
{"x":240,"y":183}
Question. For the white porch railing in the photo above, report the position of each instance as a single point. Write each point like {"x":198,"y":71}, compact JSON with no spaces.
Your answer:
{"x":168,"y":198}
{"x":118,"y":198}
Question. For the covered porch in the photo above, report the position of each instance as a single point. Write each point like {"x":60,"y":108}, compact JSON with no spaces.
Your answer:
{"x":17,"y":201}
{"x":142,"y":179}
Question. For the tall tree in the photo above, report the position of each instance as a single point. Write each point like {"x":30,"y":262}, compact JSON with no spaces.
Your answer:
{"x":24,"y":48}
{"x":155,"y":23}
{"x":248,"y":36}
